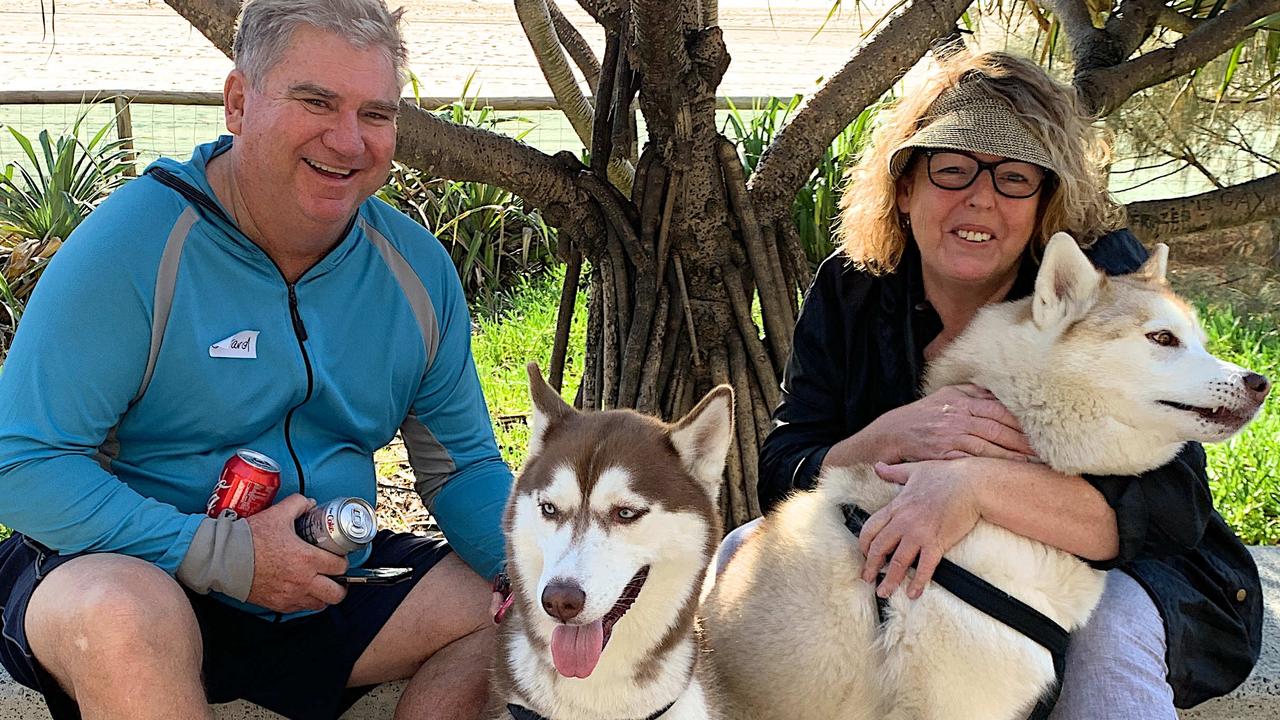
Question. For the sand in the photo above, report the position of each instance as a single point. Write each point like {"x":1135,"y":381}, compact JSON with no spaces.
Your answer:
{"x":141,"y":44}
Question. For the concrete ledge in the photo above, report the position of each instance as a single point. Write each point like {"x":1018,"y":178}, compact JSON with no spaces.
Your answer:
{"x":1257,"y":699}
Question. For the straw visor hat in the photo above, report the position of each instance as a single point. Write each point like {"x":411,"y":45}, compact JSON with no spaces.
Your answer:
{"x":966,"y":117}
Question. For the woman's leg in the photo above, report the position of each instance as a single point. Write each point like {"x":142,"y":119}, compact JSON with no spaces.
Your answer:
{"x":732,"y":542}
{"x":1116,"y":663}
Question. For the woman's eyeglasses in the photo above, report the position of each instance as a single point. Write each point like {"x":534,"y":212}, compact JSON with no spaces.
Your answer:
{"x":955,"y":170}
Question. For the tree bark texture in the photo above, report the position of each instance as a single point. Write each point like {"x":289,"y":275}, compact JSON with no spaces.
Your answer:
{"x":676,"y":250}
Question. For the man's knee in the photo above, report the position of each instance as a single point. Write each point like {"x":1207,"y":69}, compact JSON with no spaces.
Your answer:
{"x":105,"y":611}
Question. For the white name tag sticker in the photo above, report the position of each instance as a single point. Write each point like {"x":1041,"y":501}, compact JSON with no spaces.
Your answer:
{"x":243,"y":344}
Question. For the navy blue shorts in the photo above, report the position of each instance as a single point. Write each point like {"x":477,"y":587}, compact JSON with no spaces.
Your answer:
{"x":298,"y":668}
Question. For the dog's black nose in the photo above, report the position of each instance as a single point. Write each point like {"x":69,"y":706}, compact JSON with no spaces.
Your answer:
{"x":563,"y":600}
{"x":1257,"y":385}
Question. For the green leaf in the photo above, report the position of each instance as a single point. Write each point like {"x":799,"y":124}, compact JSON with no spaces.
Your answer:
{"x":1232,"y":64}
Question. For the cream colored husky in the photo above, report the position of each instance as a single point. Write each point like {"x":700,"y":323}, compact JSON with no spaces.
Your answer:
{"x":610,"y":528}
{"x":1108,"y":376}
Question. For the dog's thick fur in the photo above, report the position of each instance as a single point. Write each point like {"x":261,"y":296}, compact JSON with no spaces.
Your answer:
{"x":602,"y":496}
{"x":792,"y":628}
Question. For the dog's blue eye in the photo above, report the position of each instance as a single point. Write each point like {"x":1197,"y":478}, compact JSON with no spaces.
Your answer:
{"x":548,"y":510}
{"x":1164,"y":338}
{"x":626,"y":514}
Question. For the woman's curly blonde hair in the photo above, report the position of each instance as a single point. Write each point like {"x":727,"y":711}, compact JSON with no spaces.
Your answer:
{"x":872,"y":233}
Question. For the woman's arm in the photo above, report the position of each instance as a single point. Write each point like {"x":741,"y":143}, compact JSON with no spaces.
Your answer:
{"x":956,"y":421}
{"x":942,"y":500}
{"x":1107,"y":520}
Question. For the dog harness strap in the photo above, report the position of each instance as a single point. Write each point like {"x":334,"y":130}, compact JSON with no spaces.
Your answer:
{"x":854,"y":518}
{"x":996,"y":603}
{"x":523,"y":713}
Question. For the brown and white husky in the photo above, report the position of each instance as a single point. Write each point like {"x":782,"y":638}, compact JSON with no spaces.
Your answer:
{"x":610,"y":528}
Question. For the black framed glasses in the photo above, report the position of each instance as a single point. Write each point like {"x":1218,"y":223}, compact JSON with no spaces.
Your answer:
{"x":957,"y":170}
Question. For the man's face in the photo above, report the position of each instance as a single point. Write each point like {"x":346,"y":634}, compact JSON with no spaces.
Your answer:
{"x":317,"y":138}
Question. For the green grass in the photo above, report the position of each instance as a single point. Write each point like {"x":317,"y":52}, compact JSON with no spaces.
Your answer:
{"x":521,"y":334}
{"x":1245,"y":472}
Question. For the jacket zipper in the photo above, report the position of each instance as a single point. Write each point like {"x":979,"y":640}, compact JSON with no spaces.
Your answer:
{"x":299,"y":332}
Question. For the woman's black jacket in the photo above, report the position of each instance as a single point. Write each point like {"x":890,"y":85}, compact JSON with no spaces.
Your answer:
{"x":858,"y":353}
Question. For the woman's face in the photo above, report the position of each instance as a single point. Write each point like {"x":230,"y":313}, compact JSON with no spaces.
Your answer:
{"x":972,"y":236}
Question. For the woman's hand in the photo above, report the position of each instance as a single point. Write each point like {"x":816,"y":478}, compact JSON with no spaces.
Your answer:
{"x":956,"y":421}
{"x":937,"y":507}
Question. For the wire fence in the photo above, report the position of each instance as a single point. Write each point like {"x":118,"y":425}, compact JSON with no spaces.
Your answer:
{"x":172,"y":124}
{"x":172,"y":130}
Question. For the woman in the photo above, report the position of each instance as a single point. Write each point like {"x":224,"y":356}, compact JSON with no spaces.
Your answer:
{"x":947,"y":211}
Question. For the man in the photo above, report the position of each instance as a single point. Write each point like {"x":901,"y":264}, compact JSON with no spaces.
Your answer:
{"x":252,"y":297}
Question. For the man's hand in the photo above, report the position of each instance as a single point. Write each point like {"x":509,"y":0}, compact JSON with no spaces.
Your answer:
{"x":288,"y":572}
{"x":937,"y":507}
{"x":954,"y":422}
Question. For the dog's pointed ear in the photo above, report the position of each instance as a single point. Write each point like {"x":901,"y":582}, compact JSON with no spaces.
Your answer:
{"x":548,"y":408}
{"x":1155,"y":267}
{"x":703,"y":436}
{"x":1067,"y":284}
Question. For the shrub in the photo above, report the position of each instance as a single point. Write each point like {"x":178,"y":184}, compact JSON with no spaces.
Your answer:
{"x":44,"y":198}
{"x":818,"y":202}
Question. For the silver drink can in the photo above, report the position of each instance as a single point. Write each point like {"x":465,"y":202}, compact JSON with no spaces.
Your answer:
{"x":341,"y":526}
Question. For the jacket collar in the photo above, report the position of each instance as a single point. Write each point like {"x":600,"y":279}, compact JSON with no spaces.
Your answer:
{"x":194,"y":174}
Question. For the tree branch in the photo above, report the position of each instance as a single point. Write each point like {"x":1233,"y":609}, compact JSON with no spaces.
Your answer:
{"x":606,"y":12}
{"x":575,"y":45}
{"x":1132,"y":22}
{"x":1232,"y":206}
{"x":1105,"y":88}
{"x":459,"y":152}
{"x":1091,"y":47}
{"x":1178,"y":22}
{"x":215,"y":19}
{"x":1075,"y":19}
{"x":872,"y":70}
{"x":535,"y":18}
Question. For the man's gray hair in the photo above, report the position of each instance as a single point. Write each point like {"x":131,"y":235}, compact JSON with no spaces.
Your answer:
{"x":265,"y":28}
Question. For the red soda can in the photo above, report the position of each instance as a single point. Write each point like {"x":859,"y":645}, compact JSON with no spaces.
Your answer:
{"x":248,"y":483}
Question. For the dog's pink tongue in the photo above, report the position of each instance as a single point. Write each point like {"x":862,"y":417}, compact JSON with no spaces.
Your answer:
{"x":575,"y":649}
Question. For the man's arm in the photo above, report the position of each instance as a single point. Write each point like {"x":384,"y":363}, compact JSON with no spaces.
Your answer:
{"x":76,"y":363}
{"x":459,"y":472}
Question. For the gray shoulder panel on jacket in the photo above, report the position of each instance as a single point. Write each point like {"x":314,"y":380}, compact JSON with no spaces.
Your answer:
{"x":430,"y":461}
{"x":166,"y":279}
{"x":413,"y":289}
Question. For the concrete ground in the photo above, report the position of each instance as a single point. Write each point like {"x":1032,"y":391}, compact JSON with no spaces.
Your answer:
{"x":1257,"y":699}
